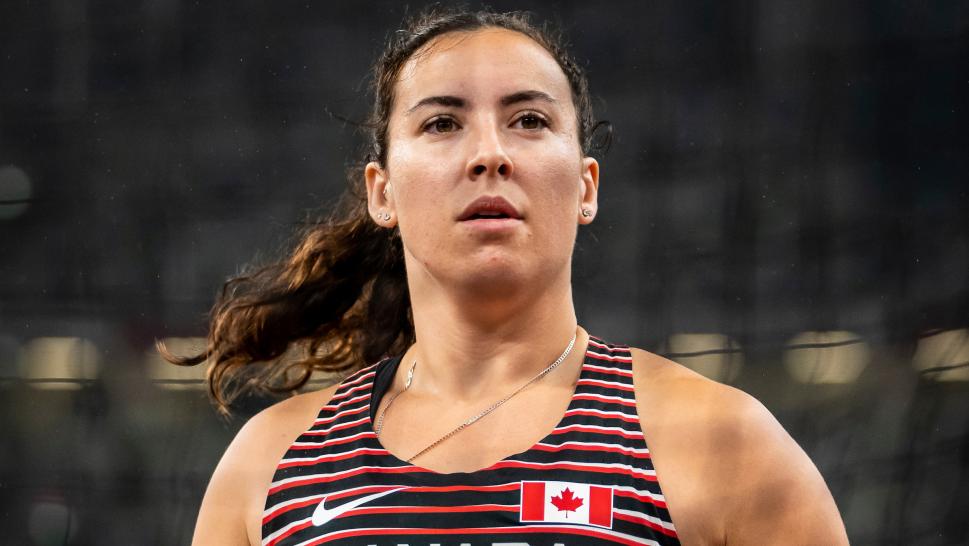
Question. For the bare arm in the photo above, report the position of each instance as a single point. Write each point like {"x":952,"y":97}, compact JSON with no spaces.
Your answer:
{"x":731,"y":474}
{"x":780,"y":497}
{"x":231,"y":511}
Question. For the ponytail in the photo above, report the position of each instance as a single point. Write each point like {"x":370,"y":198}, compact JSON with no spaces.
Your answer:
{"x":340,"y":297}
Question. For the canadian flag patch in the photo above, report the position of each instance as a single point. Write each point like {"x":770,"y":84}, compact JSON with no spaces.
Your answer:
{"x":567,"y":502}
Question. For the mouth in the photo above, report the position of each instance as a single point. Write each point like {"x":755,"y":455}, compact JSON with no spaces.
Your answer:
{"x":489,"y":208}
{"x":487,"y":216}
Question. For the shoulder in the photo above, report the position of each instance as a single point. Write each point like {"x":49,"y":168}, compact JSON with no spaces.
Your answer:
{"x":730,"y":471}
{"x":683,"y":396}
{"x":232,"y":508}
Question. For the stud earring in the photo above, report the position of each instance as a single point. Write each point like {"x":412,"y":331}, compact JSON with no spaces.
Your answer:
{"x":586,"y":212}
{"x":383,"y":216}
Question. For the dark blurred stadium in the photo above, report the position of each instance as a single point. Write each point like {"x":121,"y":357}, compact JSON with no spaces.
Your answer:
{"x":784,"y":208}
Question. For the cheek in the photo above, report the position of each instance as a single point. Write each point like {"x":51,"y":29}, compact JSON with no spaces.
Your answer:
{"x":413,"y":158}
{"x":420,"y":181}
{"x":557,"y":180}
{"x":420,"y":192}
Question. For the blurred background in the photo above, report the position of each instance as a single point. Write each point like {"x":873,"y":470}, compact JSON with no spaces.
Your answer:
{"x":783,"y":209}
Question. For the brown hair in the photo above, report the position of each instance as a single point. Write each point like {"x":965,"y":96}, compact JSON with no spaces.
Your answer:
{"x":341,"y":295}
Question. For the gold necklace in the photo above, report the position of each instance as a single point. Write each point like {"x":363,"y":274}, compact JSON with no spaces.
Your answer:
{"x":474,"y":419}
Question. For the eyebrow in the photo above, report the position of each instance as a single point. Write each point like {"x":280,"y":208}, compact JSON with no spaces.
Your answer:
{"x":443,"y":100}
{"x":507,"y":100}
{"x":527,"y":96}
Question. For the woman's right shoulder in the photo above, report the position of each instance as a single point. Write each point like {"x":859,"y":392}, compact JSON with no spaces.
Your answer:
{"x":231,"y":511}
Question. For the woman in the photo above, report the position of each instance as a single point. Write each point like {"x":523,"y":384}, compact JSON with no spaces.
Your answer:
{"x":495,"y":418}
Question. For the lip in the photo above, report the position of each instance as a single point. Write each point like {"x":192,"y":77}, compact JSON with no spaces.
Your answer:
{"x":494,"y":226}
{"x":492,"y":204}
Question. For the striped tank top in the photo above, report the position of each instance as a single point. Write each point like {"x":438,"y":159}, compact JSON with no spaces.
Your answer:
{"x":589,"y":482}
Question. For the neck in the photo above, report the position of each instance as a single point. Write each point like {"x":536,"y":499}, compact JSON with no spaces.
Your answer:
{"x":471,"y":347}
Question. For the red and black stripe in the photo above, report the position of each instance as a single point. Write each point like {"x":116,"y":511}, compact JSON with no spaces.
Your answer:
{"x":598,"y":442}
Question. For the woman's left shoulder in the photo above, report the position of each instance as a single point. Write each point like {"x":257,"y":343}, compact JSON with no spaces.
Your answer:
{"x":758,"y":485}
{"x":667,"y":386}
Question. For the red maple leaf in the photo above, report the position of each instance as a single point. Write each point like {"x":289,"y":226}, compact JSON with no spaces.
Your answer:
{"x":566,"y":501}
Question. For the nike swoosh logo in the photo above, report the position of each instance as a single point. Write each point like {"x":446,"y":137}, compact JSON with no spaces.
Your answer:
{"x":321,"y":515}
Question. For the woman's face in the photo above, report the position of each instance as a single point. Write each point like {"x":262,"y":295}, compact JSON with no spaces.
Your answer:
{"x":483,"y":117}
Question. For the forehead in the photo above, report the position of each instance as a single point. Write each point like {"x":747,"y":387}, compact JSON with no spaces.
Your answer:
{"x":487,"y":60}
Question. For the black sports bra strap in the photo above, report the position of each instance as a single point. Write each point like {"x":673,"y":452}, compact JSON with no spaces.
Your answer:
{"x":383,"y":377}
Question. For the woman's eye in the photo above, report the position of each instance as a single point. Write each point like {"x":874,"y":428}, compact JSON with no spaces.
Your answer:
{"x":441,"y":125}
{"x":532,"y":122}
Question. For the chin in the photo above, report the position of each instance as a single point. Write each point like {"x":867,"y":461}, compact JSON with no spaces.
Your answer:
{"x":492,"y":276}
{"x":492,"y":283}
{"x":490,"y":272}
{"x":490,"y":266}
{"x":496,"y":278}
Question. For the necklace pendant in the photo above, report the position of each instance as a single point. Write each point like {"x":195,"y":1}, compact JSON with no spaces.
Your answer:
{"x":410,"y":376}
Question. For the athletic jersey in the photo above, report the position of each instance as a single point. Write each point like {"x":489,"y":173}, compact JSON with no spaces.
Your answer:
{"x":588,"y":482}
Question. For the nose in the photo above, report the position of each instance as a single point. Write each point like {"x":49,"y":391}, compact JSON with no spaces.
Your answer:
{"x":489,"y":157}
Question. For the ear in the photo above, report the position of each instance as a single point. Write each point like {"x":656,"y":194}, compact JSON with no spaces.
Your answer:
{"x":380,"y":196}
{"x":589,"y":191}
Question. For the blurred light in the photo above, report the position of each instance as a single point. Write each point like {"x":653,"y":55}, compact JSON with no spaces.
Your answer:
{"x":15,"y":192}
{"x":170,"y":376}
{"x":50,"y":522}
{"x":62,"y":363}
{"x":9,"y":349}
{"x":944,"y":355}
{"x":715,"y":356}
{"x":826,"y":357}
